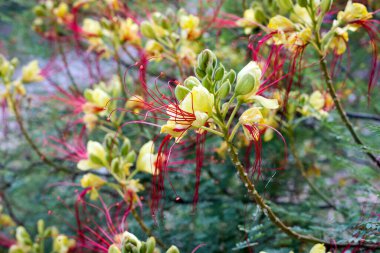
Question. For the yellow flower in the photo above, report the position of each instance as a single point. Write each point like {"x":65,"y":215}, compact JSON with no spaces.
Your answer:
{"x":198,"y":100}
{"x":96,"y":157}
{"x":61,"y":11}
{"x":31,"y":73}
{"x":250,"y":117}
{"x":135,"y":103}
{"x":91,"y":180}
{"x":353,"y":12}
{"x":129,"y":31}
{"x":318,"y":248}
{"x":154,"y":49}
{"x":63,"y":244}
{"x":189,"y":22}
{"x":339,"y":41}
{"x":90,"y":119}
{"x":99,"y":97}
{"x":147,"y":159}
{"x":114,"y":4}
{"x":133,"y":186}
{"x":281,"y":23}
{"x":300,"y":15}
{"x":248,"y":21}
{"x":92,"y":27}
{"x":299,"y":38}
{"x":316,"y":100}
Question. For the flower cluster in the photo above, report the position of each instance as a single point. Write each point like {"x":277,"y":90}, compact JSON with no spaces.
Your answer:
{"x":61,"y":243}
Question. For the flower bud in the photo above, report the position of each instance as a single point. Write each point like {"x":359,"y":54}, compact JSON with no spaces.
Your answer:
{"x":199,"y":73}
{"x":131,"y":157}
{"x":150,"y":245}
{"x":181,"y":92}
{"x":40,"y":226}
{"x":230,"y":76}
{"x":173,"y":249}
{"x":248,"y":79}
{"x":219,"y":73}
{"x":245,"y":85}
{"x":318,"y":248}
{"x":22,"y":236}
{"x":191,"y":82}
{"x":303,"y":3}
{"x":326,"y":5}
{"x":206,"y":58}
{"x":113,"y":249}
{"x":125,"y":147}
{"x":285,"y":5}
{"x":39,"y":11}
{"x":206,"y":82}
{"x":147,"y":30}
{"x":224,"y":89}
{"x":110,"y":141}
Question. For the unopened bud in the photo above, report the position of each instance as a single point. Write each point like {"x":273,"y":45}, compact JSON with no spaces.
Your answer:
{"x":173,"y":249}
{"x":113,"y":249}
{"x":285,"y":5}
{"x":206,"y":82}
{"x":126,"y":147}
{"x":303,"y":3}
{"x":150,"y":245}
{"x":326,"y":5}
{"x":131,"y":157}
{"x":199,"y":73}
{"x":219,"y":73}
{"x":245,"y":85}
{"x":191,"y":82}
{"x":147,"y":30}
{"x":205,"y":59}
{"x":231,"y":75}
{"x":224,"y":90}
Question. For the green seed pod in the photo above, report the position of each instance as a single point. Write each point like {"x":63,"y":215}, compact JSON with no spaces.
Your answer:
{"x":113,"y":249}
{"x":245,"y":85}
{"x":303,"y":3}
{"x":224,"y":89}
{"x":147,"y":30}
{"x":200,"y":73}
{"x":219,"y":73}
{"x":326,"y":5}
{"x":173,"y":249}
{"x":150,"y":245}
{"x":125,"y":147}
{"x":181,"y":92}
{"x":191,"y":82}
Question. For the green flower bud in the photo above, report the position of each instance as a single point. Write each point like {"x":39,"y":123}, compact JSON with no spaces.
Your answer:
{"x":206,"y":82}
{"x":209,"y":71}
{"x":303,"y":3}
{"x":110,"y":141}
{"x":143,"y":247}
{"x":260,"y":15}
{"x":200,"y":73}
{"x":206,"y":58}
{"x":285,"y":5}
{"x":245,"y":85}
{"x":88,"y":94}
{"x":113,"y":249}
{"x":147,"y":30}
{"x":191,"y":82}
{"x":231,"y":75}
{"x":39,"y":11}
{"x":40,"y":226}
{"x":150,"y":245}
{"x":115,"y":167}
{"x":157,"y":18}
{"x":181,"y":92}
{"x":22,"y":236}
{"x":219,"y":73}
{"x":326,"y":5}
{"x":173,"y":249}
{"x":125,"y":147}
{"x":131,"y":157}
{"x":224,"y":89}
{"x":165,"y":23}
{"x":248,"y":79}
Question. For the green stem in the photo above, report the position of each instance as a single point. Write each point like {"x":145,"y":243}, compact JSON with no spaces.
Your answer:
{"x":233,"y":114}
{"x":212,"y":131}
{"x":65,"y":62}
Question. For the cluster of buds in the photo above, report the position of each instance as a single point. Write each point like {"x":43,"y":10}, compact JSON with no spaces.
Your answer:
{"x":117,"y":157}
{"x":172,"y":36}
{"x":31,"y":73}
{"x":24,"y":243}
{"x":129,"y":243}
